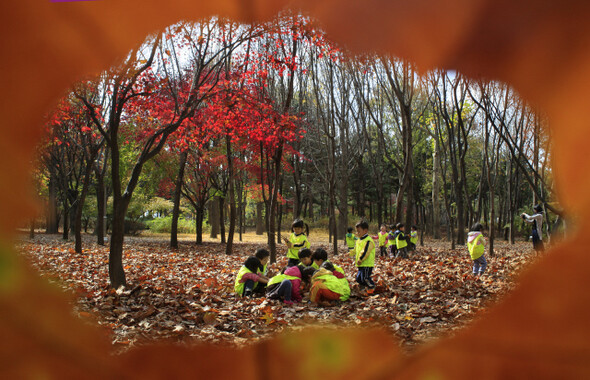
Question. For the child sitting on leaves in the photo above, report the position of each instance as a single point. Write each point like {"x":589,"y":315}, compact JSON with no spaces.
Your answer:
{"x":304,"y":260}
{"x":248,"y":277}
{"x":327,"y":287}
{"x":319,"y":257}
{"x":287,"y":286}
{"x":264,"y":256}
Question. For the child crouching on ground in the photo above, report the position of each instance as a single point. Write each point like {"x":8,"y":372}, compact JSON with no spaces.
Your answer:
{"x":328,"y":285}
{"x":248,"y":277}
{"x":476,"y":247}
{"x":319,"y":257}
{"x":287,"y":286}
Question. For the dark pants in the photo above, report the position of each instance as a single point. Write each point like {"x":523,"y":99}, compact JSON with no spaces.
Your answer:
{"x":280,"y":291}
{"x":537,"y":242}
{"x":403,"y":252}
{"x":248,"y":287}
{"x":393,"y":250}
{"x":383,"y":250}
{"x":363,"y":277}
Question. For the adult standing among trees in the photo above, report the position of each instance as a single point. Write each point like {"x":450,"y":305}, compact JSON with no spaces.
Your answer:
{"x":537,"y":220}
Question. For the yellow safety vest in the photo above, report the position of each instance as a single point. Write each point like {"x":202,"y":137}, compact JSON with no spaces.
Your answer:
{"x":239,"y":286}
{"x":400,"y":240}
{"x":298,"y":242}
{"x":475,"y":250}
{"x":369,"y":259}
{"x":335,"y":284}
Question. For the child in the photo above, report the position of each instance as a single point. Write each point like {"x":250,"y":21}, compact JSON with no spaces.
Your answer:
{"x":296,"y":241}
{"x":264,"y":256}
{"x":391,"y":242}
{"x":413,"y":238}
{"x":364,"y":257}
{"x":305,"y":258}
{"x":288,"y":286}
{"x":248,"y":278}
{"x":319,"y":257}
{"x":383,"y":240}
{"x":401,"y":241}
{"x":537,"y":220}
{"x":285,"y":286}
{"x":350,"y":239}
{"x":475,"y":245}
{"x":327,"y":287}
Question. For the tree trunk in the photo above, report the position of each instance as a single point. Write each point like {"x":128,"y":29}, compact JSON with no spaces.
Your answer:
{"x":260,"y":224}
{"x":66,"y":226}
{"x":176,"y":200}
{"x":100,"y":208}
{"x":116,"y":271}
{"x":200,"y":214}
{"x":222,"y":218}
{"x":80,"y":205}
{"x":436,"y":190}
{"x":214,"y":217}
{"x":52,"y":226}
{"x":232,"y":198}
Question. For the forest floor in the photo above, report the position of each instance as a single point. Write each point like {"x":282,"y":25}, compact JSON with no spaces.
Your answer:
{"x":186,"y":295}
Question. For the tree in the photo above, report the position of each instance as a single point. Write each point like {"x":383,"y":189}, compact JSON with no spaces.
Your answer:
{"x":134,"y":87}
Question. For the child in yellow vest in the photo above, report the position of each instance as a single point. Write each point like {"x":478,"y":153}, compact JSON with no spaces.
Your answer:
{"x":476,"y":247}
{"x":350,"y":239}
{"x":248,"y":277}
{"x":382,"y":236}
{"x":319,"y":257}
{"x":296,"y":241}
{"x":364,"y":257}
{"x":328,"y":285}
{"x":391,"y":242}
{"x":401,"y":241}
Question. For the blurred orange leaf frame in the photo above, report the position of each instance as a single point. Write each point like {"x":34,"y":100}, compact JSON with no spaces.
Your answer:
{"x":540,"y":47}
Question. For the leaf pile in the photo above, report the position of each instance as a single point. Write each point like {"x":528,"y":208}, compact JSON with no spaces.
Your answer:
{"x":186,"y":294}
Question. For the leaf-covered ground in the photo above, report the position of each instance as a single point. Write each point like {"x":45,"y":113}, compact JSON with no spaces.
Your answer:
{"x":186,"y":294}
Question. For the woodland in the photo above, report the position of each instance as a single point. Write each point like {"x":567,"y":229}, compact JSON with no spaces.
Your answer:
{"x":219,"y":130}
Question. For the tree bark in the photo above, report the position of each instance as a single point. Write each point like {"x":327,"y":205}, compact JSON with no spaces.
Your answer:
{"x":52,"y":226}
{"x":214,"y":217}
{"x":260,"y":225}
{"x":232,"y":197}
{"x":176,"y":200}
{"x":80,"y":204}
{"x":436,"y":189}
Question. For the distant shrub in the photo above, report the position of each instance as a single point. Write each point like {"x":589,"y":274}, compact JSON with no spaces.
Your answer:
{"x":163,"y":225}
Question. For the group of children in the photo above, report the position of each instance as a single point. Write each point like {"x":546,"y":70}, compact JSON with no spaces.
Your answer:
{"x":325,"y":281}
{"x":395,"y":240}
